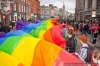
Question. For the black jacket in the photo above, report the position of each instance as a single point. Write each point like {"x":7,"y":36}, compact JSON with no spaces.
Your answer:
{"x":71,"y":44}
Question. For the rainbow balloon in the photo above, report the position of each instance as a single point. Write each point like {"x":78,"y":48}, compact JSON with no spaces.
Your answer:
{"x":21,"y":49}
{"x":46,"y":30}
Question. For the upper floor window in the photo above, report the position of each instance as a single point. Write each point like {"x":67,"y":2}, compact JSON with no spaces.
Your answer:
{"x":22,"y":8}
{"x":98,"y":4}
{"x":24,"y":0}
{"x":15,"y":7}
{"x":19,"y":8}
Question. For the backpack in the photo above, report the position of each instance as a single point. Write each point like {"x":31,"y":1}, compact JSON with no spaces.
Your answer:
{"x":89,"y":54}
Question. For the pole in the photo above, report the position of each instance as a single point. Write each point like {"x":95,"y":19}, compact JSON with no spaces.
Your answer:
{"x":25,"y":9}
{"x":67,"y":11}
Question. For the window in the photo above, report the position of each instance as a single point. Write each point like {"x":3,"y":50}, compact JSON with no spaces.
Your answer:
{"x":24,"y":16}
{"x":10,"y":17}
{"x":28,"y":9}
{"x":29,"y":3}
{"x":0,"y":18}
{"x":14,"y":7}
{"x":27,"y":17}
{"x":98,"y":4}
{"x":22,"y":8}
{"x":19,"y":7}
{"x":26,"y":2}
{"x":20,"y":16}
{"x":89,"y":4}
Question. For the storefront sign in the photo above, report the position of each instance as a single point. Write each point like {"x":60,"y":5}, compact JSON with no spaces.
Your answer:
{"x":35,"y":16}
{"x":15,"y":14}
{"x":93,"y":13}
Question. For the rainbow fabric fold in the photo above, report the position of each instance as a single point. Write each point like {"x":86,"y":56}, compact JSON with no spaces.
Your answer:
{"x":46,"y":30}
{"x":21,"y":49}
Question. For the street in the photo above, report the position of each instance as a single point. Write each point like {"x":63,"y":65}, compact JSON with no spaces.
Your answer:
{"x":89,"y":42}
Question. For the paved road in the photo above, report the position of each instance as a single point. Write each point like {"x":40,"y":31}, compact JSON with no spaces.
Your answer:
{"x":78,"y":46}
{"x":88,"y":42}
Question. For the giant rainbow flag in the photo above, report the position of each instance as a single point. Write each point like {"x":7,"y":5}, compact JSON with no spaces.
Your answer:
{"x":21,"y":49}
{"x":45,"y":30}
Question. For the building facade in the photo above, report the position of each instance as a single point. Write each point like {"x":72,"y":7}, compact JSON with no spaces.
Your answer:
{"x":38,"y":9}
{"x":13,"y":10}
{"x":45,"y":11}
{"x":87,"y":9}
{"x":35,"y":9}
{"x":49,"y":11}
{"x":56,"y":12}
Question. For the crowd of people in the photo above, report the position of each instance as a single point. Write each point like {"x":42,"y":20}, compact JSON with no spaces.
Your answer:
{"x":89,"y":56}
{"x":85,"y":28}
{"x":5,"y":28}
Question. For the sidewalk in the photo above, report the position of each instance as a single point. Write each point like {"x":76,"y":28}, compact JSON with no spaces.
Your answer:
{"x":90,"y":40}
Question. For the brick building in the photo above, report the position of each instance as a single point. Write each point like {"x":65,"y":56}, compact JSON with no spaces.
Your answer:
{"x":35,"y":8}
{"x":38,"y":9}
{"x":18,"y":9}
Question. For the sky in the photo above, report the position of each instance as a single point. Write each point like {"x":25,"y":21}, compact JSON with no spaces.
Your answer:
{"x":69,"y":4}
